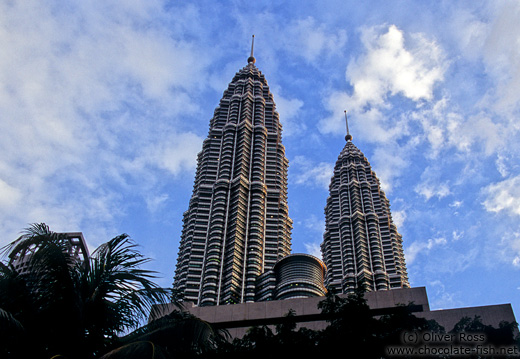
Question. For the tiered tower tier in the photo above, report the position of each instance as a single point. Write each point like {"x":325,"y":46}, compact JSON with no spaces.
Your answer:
{"x":361,"y":246}
{"x":237,"y":225}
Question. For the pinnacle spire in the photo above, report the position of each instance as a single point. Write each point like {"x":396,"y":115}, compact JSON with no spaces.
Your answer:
{"x":348,"y":137}
{"x":251,"y":58}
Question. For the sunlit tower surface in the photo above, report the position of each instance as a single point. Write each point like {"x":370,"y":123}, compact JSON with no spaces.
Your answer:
{"x":361,"y":246}
{"x":237,"y":225}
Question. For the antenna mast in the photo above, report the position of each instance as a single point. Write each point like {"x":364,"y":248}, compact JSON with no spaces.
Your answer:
{"x":251,"y":58}
{"x":348,"y":137}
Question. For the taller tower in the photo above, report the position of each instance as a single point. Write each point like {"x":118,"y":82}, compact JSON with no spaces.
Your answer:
{"x":361,"y":246}
{"x":237,"y":225}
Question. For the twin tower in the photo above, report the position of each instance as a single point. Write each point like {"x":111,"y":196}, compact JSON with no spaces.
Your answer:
{"x":236,"y":238}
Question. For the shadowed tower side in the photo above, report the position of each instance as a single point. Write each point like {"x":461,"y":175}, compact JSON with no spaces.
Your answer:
{"x":361,"y":246}
{"x":237,"y":225}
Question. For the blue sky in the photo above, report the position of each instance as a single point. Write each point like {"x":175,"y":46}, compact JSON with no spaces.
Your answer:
{"x":104,"y":106}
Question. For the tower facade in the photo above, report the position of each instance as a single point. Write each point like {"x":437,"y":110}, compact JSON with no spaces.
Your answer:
{"x":361,"y":246}
{"x":237,"y":225}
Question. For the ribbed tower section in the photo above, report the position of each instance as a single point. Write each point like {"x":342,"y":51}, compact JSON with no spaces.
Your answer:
{"x":237,"y":225}
{"x":361,"y":246}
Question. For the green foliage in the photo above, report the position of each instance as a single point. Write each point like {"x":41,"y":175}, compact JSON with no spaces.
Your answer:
{"x":117,"y":294}
{"x":352,"y":327}
{"x":501,"y":336}
{"x":64,"y":307}
{"x":286,"y":341}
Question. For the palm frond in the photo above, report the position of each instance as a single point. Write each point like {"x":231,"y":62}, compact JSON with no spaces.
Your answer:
{"x":31,"y":239}
{"x":8,"y":323}
{"x":69,"y":305}
{"x":117,"y":283}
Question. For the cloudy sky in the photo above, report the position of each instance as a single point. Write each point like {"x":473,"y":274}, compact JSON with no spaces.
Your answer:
{"x":104,"y":106}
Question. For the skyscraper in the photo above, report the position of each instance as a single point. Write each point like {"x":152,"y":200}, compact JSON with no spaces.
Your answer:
{"x":237,"y":225}
{"x":361,"y":246}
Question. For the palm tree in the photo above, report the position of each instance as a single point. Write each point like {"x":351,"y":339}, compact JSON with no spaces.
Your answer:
{"x":38,"y":295}
{"x":65,"y":307}
{"x":117,"y":294}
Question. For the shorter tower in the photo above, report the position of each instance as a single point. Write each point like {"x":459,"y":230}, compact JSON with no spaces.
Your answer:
{"x":361,"y":246}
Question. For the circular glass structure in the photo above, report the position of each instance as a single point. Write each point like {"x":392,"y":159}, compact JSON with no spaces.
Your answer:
{"x":299,"y":276}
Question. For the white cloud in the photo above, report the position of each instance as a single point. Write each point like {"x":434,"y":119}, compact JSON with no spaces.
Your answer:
{"x":9,"y":195}
{"x":510,"y":248}
{"x":313,"y":234}
{"x":478,"y":129}
{"x":391,"y":67}
{"x":431,"y":184}
{"x":490,"y":46}
{"x":438,"y":122}
{"x":457,"y":235}
{"x":175,"y":153}
{"x":430,"y":190}
{"x":313,"y":249}
{"x":503,"y":196}
{"x":502,"y":55}
{"x":154,"y":203}
{"x":315,"y":224}
{"x":311,"y":40}
{"x":399,"y":217}
{"x":88,"y":94}
{"x":289,"y":111}
{"x":469,"y":31}
{"x":388,"y":162}
{"x":441,"y":298}
{"x":456,"y":204}
{"x":302,"y":37}
{"x":307,"y":172}
{"x":395,"y":68}
{"x":501,"y":165}
{"x":418,"y":247}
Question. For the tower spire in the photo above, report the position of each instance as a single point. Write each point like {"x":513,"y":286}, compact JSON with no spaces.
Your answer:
{"x":251,"y":58}
{"x":348,"y":137}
